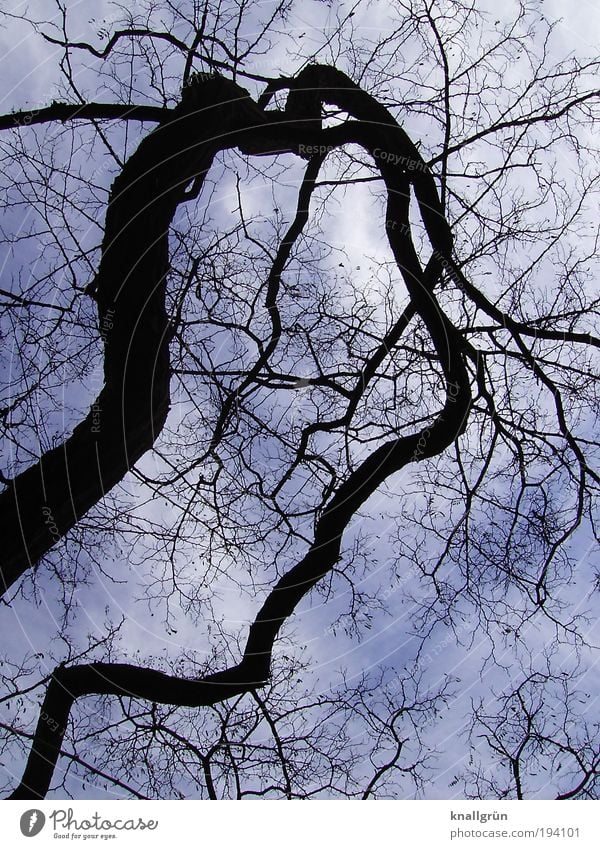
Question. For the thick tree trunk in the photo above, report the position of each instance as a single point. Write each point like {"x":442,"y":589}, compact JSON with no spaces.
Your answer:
{"x":42,"y":503}
{"x":375,"y":128}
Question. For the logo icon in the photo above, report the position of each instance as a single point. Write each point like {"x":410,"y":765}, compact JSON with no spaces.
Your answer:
{"x":32,"y":822}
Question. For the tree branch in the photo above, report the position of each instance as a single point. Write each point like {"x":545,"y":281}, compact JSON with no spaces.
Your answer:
{"x":84,"y":112}
{"x":127,"y":680}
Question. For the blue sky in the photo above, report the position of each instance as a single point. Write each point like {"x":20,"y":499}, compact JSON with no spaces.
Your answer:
{"x":485,"y":662}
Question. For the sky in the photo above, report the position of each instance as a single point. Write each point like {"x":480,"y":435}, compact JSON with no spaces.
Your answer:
{"x":29,"y":71}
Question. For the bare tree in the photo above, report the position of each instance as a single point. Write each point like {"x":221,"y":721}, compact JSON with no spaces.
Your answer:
{"x":540,"y":729}
{"x":276,"y":415}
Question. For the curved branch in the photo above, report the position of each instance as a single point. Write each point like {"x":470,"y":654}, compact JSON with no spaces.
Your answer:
{"x":125,"y":680}
{"x":42,"y":503}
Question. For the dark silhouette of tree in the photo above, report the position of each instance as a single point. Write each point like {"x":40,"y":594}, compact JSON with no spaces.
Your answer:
{"x":541,"y":728}
{"x":278,"y":396}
